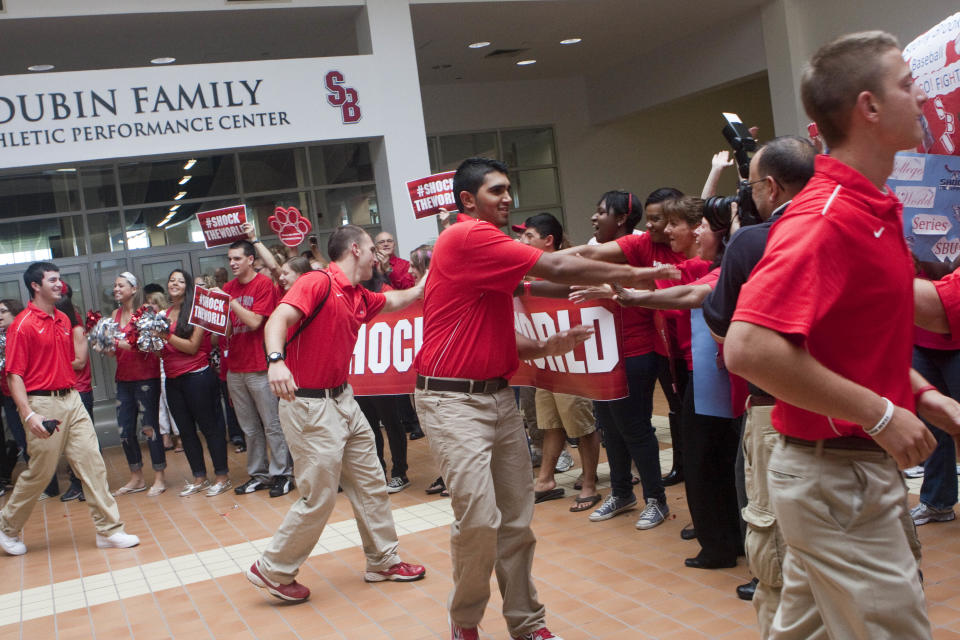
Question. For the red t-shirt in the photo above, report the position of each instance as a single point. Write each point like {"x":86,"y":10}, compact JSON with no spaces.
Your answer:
{"x":176,"y":362}
{"x":837,"y":278}
{"x":40,"y":349}
{"x":319,"y":358}
{"x":133,"y":364}
{"x":948,"y":288}
{"x":692,"y":271}
{"x":639,"y":332}
{"x":246,"y":345}
{"x":468,"y":321}
{"x":400,"y":276}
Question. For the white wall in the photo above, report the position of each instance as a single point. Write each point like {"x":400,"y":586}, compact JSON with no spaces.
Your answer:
{"x":669,"y":145}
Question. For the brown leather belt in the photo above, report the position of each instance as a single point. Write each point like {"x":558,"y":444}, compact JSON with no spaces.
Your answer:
{"x":849,"y":443}
{"x":461,"y":385}
{"x":58,"y":393}
{"x":320,"y":393}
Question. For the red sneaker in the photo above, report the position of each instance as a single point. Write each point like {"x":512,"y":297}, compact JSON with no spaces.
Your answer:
{"x":293,"y":592}
{"x":540,"y":634}
{"x":459,"y":633}
{"x":401,"y":572}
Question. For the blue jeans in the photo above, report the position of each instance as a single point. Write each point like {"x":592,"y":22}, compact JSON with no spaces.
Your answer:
{"x":143,"y":397}
{"x":628,"y":433}
{"x":941,"y":369}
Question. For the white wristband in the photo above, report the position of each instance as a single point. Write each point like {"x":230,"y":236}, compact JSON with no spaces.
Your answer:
{"x":884,"y":420}
{"x":27,"y":419}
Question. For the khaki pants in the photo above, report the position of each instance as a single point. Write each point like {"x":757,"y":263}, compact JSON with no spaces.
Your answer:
{"x":850,"y":570}
{"x":480,"y":443}
{"x":331,"y":443}
{"x":763,"y":543}
{"x":76,"y":440}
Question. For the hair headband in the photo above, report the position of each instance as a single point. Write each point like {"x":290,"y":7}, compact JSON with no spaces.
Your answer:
{"x":129,"y":277}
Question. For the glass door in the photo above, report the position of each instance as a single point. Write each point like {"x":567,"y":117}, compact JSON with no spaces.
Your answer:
{"x":206,"y":262}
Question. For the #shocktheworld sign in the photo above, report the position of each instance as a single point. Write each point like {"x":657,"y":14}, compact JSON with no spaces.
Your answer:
{"x":222,"y":226}
{"x":86,"y":115}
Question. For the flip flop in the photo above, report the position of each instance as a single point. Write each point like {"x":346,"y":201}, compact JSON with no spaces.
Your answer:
{"x":437,"y":487}
{"x":584,"y":504}
{"x":544,"y":496}
{"x":122,"y":491}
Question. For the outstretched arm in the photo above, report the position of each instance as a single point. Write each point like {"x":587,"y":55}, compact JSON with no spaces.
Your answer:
{"x":556,"y":345}
{"x":571,"y":269}
{"x":684,"y":296}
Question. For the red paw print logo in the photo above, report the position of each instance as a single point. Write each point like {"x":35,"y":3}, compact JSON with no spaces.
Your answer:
{"x":290,"y":225}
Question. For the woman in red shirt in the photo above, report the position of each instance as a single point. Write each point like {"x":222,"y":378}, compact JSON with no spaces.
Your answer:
{"x":138,"y":391}
{"x":192,"y":389}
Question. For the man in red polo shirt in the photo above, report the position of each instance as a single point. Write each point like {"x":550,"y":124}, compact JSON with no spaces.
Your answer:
{"x":824,"y":324}
{"x":465,"y":405}
{"x":395,"y":268}
{"x":309,"y":340}
{"x":252,"y":299}
{"x":40,"y":374}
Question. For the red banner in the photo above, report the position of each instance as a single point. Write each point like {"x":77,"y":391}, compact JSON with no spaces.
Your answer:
{"x":383,"y":355}
{"x":428,"y":195}
{"x":210,"y":310}
{"x":222,"y":226}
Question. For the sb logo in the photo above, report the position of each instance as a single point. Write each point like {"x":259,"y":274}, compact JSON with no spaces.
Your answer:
{"x":345,"y":98}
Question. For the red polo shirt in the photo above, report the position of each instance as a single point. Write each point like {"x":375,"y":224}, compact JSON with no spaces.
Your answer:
{"x":133,"y":364}
{"x":837,"y":278}
{"x":691,"y":272}
{"x":246,"y":345}
{"x":468,"y":321}
{"x":639,"y":331}
{"x":948,"y":289}
{"x":40,"y":349}
{"x":400,"y":276}
{"x":320,"y":356}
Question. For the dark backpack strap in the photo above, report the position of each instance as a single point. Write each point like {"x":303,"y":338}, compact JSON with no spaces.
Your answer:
{"x":313,"y":314}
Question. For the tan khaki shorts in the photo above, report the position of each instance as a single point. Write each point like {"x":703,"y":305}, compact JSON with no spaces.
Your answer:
{"x":573,"y":414}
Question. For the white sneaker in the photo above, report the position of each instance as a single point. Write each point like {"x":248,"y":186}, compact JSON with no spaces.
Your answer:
{"x":117,"y":541}
{"x":12,"y":545}
{"x":914,"y":472}
{"x":219,"y":488}
{"x":564,"y":462}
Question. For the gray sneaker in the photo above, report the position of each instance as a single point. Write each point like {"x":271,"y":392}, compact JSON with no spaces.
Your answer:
{"x":612,"y":506}
{"x":564,"y":462}
{"x":653,"y":514}
{"x":922,"y":514}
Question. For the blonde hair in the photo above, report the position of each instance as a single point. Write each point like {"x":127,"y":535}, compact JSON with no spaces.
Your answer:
{"x":158,"y":300}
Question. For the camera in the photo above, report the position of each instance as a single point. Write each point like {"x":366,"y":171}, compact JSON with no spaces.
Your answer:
{"x":716,"y":209}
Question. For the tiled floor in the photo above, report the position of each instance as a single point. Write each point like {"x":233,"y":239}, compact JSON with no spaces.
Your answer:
{"x":597,"y":580}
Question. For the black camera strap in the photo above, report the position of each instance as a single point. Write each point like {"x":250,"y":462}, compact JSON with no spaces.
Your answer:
{"x":313,"y":314}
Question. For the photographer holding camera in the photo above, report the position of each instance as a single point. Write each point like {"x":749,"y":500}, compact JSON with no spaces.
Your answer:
{"x":778,"y":171}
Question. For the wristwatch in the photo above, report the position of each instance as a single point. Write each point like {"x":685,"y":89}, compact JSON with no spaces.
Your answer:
{"x":276,"y":356}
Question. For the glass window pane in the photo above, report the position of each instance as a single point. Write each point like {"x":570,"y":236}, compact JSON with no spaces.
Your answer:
{"x":534,"y":188}
{"x":76,"y":292}
{"x":339,"y":163}
{"x":41,"y":240}
{"x":144,"y":182}
{"x":159,"y":272}
{"x":105,"y":272}
{"x":210,"y":263}
{"x":432,"y":154}
{"x":260,"y":208}
{"x":355,"y":205}
{"x":104,"y":228}
{"x":10,"y":290}
{"x":273,"y":169}
{"x":159,"y":226}
{"x":99,"y":187}
{"x":526,"y":147}
{"x":36,"y":193}
{"x":456,"y":148}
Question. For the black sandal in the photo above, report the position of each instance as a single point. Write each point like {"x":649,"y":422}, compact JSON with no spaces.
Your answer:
{"x":438,"y":486}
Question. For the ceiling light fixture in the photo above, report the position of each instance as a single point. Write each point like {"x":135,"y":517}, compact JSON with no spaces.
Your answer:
{"x":478,"y":45}
{"x":180,"y":195}
{"x":189,"y":164}
{"x":524,"y":63}
{"x":174,"y":208}
{"x":571,"y":40}
{"x":40,"y":67}
{"x":163,"y":60}
{"x":184,"y":180}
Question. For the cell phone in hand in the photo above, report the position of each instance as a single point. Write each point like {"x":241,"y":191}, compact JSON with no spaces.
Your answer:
{"x":50,"y":425}
{"x":313,"y":240}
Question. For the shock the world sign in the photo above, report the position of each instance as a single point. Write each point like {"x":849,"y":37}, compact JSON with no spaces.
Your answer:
{"x":210,"y":310}
{"x":222,"y":226}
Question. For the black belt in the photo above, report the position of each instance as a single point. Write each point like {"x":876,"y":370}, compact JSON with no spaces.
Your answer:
{"x":461,"y":385}
{"x":320,"y":393}
{"x":849,"y":443}
{"x":59,"y":393}
{"x":757,"y":400}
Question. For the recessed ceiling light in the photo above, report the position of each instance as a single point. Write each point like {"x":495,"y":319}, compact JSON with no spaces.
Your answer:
{"x":163,"y":60}
{"x":524,"y":63}
{"x":174,"y":208}
{"x":478,"y":45}
{"x":179,"y":195}
{"x":184,"y":180}
{"x":571,"y":41}
{"x":189,"y":164}
{"x":40,"y":67}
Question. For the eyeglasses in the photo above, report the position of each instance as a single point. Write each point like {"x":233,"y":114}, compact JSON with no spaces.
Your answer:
{"x":764,"y":179}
